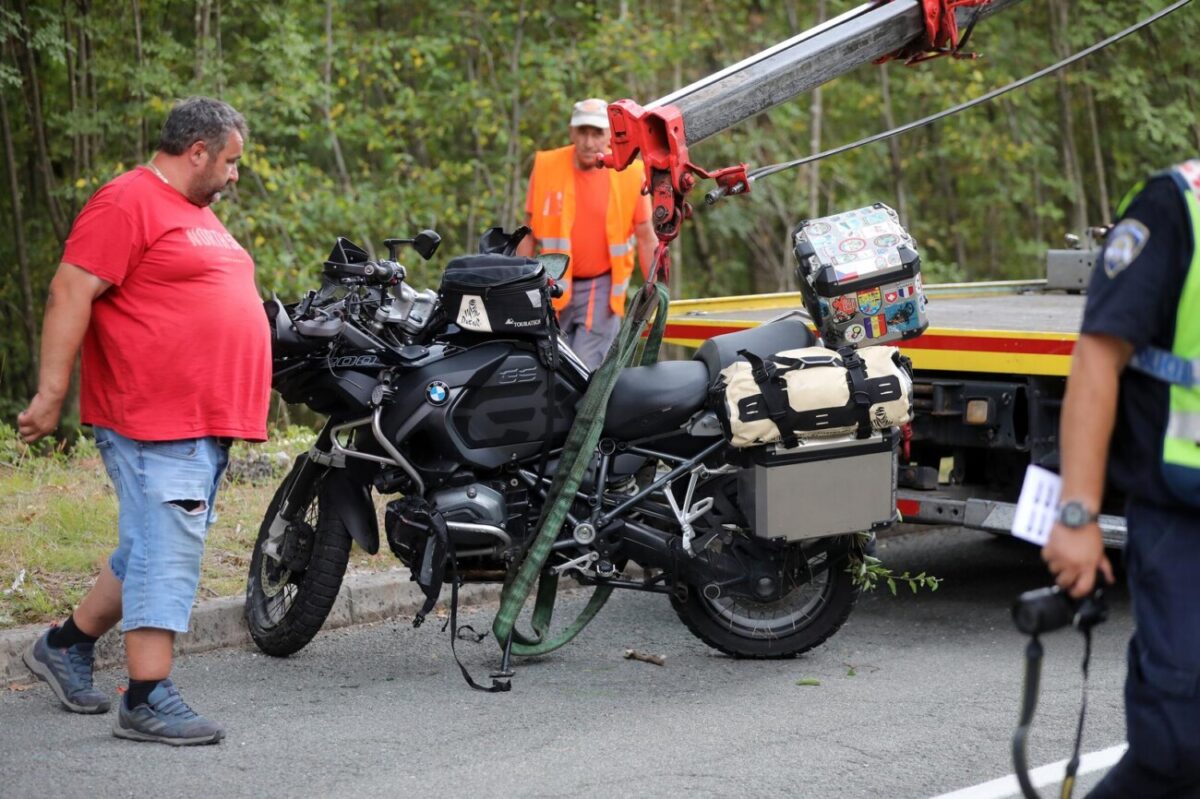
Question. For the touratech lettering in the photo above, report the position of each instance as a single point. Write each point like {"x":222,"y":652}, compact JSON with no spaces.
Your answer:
{"x":531,"y":323}
{"x":203,"y":237}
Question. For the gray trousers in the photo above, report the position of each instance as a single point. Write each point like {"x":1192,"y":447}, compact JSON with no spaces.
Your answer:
{"x":591,"y":345}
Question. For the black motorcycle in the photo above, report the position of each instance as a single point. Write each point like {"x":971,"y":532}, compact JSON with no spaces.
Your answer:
{"x":458,"y":402}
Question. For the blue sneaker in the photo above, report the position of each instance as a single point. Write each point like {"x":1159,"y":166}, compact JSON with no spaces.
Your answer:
{"x":68,"y":672}
{"x":166,"y":719}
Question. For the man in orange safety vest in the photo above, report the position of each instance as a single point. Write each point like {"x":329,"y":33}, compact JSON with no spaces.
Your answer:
{"x":596,"y":216}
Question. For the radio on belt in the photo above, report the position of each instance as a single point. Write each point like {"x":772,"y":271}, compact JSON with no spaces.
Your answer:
{"x":860,"y":276}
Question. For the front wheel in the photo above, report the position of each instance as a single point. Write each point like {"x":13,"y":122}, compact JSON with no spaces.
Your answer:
{"x":818,"y":604}
{"x":285,"y":607}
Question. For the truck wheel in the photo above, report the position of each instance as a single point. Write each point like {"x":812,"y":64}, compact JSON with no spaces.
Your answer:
{"x":285,"y":608}
{"x":803,"y":618}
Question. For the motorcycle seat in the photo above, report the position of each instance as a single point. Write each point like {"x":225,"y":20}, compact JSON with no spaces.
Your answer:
{"x":655,"y":398}
{"x":789,"y":333}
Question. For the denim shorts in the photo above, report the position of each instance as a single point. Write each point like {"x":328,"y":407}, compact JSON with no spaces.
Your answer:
{"x":166,"y":494}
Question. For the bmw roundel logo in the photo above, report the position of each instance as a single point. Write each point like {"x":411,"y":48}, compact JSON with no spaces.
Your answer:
{"x":437,"y":392}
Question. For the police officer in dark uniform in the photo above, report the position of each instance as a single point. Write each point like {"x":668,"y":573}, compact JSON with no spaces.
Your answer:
{"x":1133,"y":384}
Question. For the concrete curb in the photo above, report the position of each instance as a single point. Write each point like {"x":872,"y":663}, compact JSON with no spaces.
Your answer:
{"x":218,"y":623}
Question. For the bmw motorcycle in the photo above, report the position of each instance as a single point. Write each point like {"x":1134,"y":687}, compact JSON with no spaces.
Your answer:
{"x":455,"y":404}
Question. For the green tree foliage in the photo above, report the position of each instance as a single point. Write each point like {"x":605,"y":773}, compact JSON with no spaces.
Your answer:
{"x":372,"y":118}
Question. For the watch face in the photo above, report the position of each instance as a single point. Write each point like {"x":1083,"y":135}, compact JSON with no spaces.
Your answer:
{"x":1073,"y":514}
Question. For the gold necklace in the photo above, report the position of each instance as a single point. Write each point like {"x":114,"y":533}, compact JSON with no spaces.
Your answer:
{"x":150,"y":165}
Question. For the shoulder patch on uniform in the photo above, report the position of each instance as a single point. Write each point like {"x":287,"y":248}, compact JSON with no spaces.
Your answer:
{"x":1124,"y":244}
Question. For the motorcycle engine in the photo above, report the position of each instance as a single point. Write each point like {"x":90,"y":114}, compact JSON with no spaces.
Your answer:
{"x":476,"y":504}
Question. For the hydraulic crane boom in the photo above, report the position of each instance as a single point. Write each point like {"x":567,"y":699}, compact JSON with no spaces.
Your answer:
{"x":661,"y":132}
{"x":805,"y":61}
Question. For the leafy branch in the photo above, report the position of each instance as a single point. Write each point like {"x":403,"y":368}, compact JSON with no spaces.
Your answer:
{"x":867,"y":571}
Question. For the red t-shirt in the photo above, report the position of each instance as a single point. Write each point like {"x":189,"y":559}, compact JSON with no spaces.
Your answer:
{"x":178,"y":346}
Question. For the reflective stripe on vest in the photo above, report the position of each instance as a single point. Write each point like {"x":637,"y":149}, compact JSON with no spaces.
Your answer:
{"x":1166,"y":366}
{"x":1184,"y":425}
{"x":1181,"y":366}
{"x":624,"y":248}
{"x":552,"y":186}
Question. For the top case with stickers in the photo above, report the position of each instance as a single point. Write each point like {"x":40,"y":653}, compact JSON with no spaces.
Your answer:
{"x":859,"y":274}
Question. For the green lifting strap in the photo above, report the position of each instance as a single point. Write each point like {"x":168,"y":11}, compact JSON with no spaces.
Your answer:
{"x":576,"y":457}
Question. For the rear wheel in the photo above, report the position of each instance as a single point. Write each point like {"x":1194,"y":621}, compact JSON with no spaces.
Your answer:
{"x":286,"y":603}
{"x":820,"y":600}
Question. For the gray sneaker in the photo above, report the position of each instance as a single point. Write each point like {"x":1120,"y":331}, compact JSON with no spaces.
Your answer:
{"x":68,"y":672}
{"x":166,"y":719}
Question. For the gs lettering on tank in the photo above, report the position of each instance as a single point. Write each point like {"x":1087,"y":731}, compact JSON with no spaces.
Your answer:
{"x":509,"y":408}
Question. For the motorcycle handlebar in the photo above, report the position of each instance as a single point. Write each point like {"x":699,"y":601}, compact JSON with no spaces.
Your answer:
{"x":384,"y":273}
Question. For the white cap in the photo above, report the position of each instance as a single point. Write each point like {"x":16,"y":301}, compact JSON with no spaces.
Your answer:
{"x":593,"y":112}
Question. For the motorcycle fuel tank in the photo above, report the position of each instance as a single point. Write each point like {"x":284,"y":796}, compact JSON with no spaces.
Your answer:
{"x":482,"y":407}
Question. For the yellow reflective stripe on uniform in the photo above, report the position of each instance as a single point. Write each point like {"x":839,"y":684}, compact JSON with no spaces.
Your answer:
{"x":557,"y":244}
{"x":1128,"y":198}
{"x":1180,"y":444}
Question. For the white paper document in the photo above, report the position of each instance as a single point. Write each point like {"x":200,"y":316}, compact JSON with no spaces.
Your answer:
{"x":1038,"y":506}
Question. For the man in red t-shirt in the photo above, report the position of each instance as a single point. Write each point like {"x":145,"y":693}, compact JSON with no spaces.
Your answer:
{"x":176,"y":364}
{"x":594,"y":215}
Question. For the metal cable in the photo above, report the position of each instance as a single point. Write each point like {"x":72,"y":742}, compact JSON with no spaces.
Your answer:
{"x":765,"y":171}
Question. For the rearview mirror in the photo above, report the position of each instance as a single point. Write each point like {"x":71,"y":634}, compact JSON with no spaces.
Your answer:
{"x":555,"y":263}
{"x":426,"y":243}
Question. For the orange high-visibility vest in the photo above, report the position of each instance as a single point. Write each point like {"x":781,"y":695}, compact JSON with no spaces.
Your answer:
{"x":552,"y":198}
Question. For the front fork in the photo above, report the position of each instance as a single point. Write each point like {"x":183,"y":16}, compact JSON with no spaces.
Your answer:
{"x":296,"y":500}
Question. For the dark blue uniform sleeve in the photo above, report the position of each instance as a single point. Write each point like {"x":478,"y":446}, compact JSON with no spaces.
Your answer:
{"x":1135,"y":287}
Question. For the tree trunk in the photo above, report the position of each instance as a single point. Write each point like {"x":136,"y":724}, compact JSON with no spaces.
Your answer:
{"x":889,"y":122}
{"x":1189,"y":72}
{"x":142,"y":133}
{"x":220,"y":54}
{"x":949,"y":192}
{"x":1089,"y":99}
{"x":816,"y":115}
{"x":512,"y":156}
{"x":34,"y":100}
{"x":28,"y":310}
{"x":1074,"y":172}
{"x":91,"y":94}
{"x":73,"y":96}
{"x":327,"y":109}
{"x":202,"y":19}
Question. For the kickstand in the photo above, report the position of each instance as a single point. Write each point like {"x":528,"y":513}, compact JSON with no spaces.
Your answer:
{"x":506,"y":672}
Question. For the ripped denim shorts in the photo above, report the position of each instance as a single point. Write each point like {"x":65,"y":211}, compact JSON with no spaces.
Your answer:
{"x":166,"y":493}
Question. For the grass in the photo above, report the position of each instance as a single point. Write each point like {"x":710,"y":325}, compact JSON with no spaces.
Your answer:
{"x":58,"y":523}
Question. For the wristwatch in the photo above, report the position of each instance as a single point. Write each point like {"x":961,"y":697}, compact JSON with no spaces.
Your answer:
{"x":1074,"y":514}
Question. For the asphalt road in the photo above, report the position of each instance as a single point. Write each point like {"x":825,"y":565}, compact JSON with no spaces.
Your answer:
{"x":918,"y":696}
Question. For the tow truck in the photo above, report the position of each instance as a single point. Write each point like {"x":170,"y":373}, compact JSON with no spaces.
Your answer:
{"x":990,"y":372}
